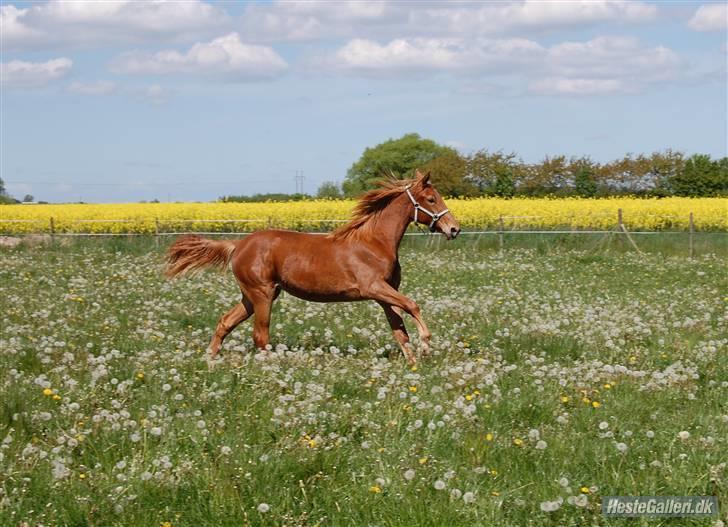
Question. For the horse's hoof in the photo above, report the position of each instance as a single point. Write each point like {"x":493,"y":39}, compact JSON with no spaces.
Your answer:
{"x":212,"y":362}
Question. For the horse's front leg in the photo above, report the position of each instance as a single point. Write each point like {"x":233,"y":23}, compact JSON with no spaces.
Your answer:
{"x":399,"y":331}
{"x":384,"y":293}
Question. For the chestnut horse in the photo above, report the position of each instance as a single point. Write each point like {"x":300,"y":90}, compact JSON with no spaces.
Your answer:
{"x":358,"y":261}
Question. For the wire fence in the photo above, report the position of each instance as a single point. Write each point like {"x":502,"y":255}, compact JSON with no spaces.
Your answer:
{"x":161,"y":228}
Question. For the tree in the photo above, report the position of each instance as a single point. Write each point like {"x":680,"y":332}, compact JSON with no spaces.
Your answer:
{"x":585,"y":184}
{"x":28,"y":198}
{"x":328,"y":190}
{"x":396,"y":156}
{"x":701,"y":176}
{"x":448,"y":175}
{"x":494,"y":173}
{"x":2,"y":187}
{"x":505,"y":185}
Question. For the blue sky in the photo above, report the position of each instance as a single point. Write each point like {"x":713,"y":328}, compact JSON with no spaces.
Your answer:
{"x":126,"y":101}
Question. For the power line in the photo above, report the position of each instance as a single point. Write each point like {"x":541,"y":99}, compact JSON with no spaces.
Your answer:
{"x":299,"y":178}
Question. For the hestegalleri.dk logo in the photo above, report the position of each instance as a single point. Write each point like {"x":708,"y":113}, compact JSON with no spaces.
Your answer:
{"x":676,"y":506}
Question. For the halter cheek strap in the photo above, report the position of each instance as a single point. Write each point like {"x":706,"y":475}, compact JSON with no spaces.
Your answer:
{"x":433,"y":215}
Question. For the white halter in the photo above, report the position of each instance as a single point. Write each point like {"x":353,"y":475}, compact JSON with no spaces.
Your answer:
{"x":434,"y":215}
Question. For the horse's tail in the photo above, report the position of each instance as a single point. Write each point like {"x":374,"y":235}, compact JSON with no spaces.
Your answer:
{"x":190,"y":254}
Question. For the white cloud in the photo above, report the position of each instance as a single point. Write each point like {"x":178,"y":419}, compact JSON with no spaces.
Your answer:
{"x":302,"y":20}
{"x":21,"y":74}
{"x":598,"y":66}
{"x":712,"y":17}
{"x":225,"y":57}
{"x":92,"y":88}
{"x":154,"y":94}
{"x":582,"y":87}
{"x":539,"y":15}
{"x":58,"y":23}
{"x":609,"y":57}
{"x":432,"y":55}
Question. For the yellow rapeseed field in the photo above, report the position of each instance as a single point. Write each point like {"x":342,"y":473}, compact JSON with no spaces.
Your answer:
{"x":480,"y":213}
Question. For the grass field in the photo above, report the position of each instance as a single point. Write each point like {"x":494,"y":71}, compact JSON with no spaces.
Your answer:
{"x":559,"y":375}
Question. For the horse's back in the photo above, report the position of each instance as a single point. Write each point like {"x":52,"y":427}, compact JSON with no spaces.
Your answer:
{"x":311,"y":266}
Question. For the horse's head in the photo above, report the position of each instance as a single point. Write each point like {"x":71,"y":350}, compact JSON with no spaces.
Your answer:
{"x":430,"y":208}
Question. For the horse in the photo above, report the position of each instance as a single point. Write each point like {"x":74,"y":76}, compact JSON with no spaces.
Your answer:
{"x":358,"y":261}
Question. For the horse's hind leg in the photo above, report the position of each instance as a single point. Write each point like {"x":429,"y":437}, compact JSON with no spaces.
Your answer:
{"x":399,"y":331}
{"x":227,"y":323}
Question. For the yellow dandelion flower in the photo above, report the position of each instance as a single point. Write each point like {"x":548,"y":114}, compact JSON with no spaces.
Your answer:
{"x":47,"y":391}
{"x":489,"y":437}
{"x":56,"y":397}
{"x":494,"y":493}
{"x":375,"y":489}
{"x":607,"y":386}
{"x":518,"y":441}
{"x":82,"y":476}
{"x":423,"y":460}
{"x":564,"y":399}
{"x":140,"y":376}
{"x":585,"y":490}
{"x":413,"y":389}
{"x":596,"y":404}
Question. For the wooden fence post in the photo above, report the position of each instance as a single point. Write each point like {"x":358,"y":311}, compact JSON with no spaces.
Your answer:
{"x":156,"y":232}
{"x":692,"y":230}
{"x":53,"y":229}
{"x":624,"y":231}
{"x":501,"y":228}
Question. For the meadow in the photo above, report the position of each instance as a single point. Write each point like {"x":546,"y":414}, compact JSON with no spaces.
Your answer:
{"x":710,"y":214}
{"x":558,"y":375}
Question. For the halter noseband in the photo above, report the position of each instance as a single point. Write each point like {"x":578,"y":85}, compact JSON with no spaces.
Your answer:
{"x":434,"y":215}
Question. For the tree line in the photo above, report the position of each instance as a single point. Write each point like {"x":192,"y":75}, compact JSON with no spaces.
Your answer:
{"x":504,"y":174}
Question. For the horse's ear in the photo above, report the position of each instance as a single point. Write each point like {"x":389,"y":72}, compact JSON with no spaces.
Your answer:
{"x":424,"y":179}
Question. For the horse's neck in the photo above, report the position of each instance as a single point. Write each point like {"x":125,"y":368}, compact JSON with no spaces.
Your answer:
{"x":393,"y":222}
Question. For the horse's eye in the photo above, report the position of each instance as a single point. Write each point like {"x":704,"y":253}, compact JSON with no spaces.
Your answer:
{"x":431,"y":200}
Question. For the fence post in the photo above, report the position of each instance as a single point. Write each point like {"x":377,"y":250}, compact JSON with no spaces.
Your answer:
{"x":53,"y":229}
{"x":156,"y":232}
{"x":692,"y":230}
{"x":501,"y":228}
{"x":620,"y":228}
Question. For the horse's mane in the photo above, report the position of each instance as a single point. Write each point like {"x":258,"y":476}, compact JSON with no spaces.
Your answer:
{"x":370,"y":206}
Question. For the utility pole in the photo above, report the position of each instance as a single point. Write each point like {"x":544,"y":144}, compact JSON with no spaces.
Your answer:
{"x":299,"y":178}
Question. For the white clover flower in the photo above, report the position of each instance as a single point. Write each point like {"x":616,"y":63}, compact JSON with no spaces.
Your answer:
{"x":166,"y":387}
{"x":156,"y":431}
{"x":541,"y":445}
{"x":225,"y":450}
{"x":603,"y":425}
{"x":456,"y":494}
{"x":622,"y":447}
{"x":409,"y":474}
{"x":564,"y":482}
{"x":439,"y":484}
{"x":263,"y":508}
{"x":135,"y":437}
{"x":469,"y":497}
{"x":684,"y":435}
{"x":145,"y":476}
{"x":650,"y":434}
